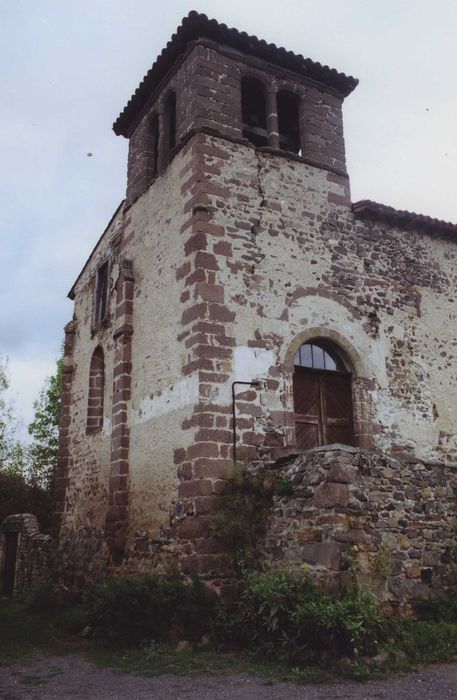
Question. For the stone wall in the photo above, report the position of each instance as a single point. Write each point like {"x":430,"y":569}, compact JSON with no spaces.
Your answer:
{"x":393,"y":523}
{"x":34,"y":555}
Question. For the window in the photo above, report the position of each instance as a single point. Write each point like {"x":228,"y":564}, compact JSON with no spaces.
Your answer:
{"x":170,"y":122}
{"x":253,"y":111}
{"x":101,"y":293}
{"x":153,"y":147}
{"x":288,"y":105}
{"x":322,"y":388}
{"x":96,"y":392}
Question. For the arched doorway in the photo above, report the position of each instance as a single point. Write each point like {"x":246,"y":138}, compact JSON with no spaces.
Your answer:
{"x":322,"y":387}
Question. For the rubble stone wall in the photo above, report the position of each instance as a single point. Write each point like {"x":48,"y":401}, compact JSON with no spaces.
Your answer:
{"x":350,"y":510}
{"x":35,"y":552}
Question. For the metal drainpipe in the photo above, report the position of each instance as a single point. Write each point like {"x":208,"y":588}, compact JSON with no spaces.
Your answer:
{"x":257,"y":384}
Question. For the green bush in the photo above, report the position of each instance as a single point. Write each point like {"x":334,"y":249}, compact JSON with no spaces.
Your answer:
{"x":50,"y":598}
{"x":132,"y":609}
{"x":287,"y":616}
{"x":440,"y":608}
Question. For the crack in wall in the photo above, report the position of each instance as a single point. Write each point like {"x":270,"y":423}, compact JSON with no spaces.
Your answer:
{"x":255,"y":228}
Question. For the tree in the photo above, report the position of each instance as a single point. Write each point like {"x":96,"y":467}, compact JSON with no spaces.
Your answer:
{"x":17,"y":493}
{"x":12,"y":455}
{"x":44,"y":430}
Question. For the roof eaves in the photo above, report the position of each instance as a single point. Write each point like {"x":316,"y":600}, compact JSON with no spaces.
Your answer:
{"x":196,"y":26}
{"x":401,"y":217}
{"x":71,"y":293}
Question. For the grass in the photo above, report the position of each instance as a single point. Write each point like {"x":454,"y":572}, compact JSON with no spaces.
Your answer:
{"x":411,"y":645}
{"x":23,"y":634}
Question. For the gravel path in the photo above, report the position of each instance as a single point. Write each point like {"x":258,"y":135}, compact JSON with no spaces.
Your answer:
{"x":73,"y":677}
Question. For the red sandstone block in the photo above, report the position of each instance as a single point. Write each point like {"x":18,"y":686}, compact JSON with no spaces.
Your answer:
{"x":118,"y":442}
{"x":191,"y":528}
{"x":333,"y":198}
{"x":210,"y":292}
{"x":203,"y":505}
{"x":213,"y":351}
{"x":185,"y":471}
{"x":200,"y":363}
{"x":225,"y":341}
{"x":121,"y":498}
{"x":213,"y":468}
{"x":249,"y":409}
{"x":208,"y":327}
{"x":213,"y":434}
{"x":118,"y":483}
{"x":199,"y":199}
{"x":206,"y":261}
{"x":202,"y":449}
{"x":194,"y":312}
{"x":218,"y":312}
{"x":179,"y":455}
{"x":215,"y":377}
{"x":122,"y":368}
{"x":198,"y":275}
{"x":215,"y":152}
{"x":223,"y":248}
{"x":248,"y":395}
{"x":203,"y":407}
{"x":202,"y":420}
{"x":195,"y":243}
{"x":331,"y":495}
{"x":183,"y":271}
{"x":252,"y":438}
{"x":200,"y":487}
{"x":120,"y":454}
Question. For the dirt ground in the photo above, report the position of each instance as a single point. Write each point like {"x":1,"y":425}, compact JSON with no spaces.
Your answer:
{"x":60,"y":677}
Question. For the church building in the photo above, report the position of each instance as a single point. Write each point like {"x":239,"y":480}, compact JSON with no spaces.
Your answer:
{"x":240,"y":308}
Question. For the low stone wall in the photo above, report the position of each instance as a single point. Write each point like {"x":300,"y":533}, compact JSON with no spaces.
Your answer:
{"x":349,"y":510}
{"x":33,"y":556}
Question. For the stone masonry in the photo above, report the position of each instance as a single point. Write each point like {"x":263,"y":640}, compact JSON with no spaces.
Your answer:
{"x":392,"y":523}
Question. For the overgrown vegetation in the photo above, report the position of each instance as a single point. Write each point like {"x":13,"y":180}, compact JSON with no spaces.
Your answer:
{"x":239,"y":515}
{"x":151,"y":607}
{"x":289,"y":616}
{"x":283,"y":626}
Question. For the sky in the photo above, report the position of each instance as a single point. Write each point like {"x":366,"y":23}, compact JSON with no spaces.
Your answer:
{"x":67,"y":68}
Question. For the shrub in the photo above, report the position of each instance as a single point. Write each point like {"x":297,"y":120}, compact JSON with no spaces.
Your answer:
{"x":440,"y":608}
{"x":49,"y":598}
{"x":288,"y":616}
{"x":132,"y":609}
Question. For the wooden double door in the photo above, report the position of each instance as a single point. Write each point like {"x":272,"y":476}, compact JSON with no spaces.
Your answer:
{"x":323,"y":408}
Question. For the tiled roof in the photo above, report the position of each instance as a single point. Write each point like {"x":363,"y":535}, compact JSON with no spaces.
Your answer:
{"x":402,"y":218}
{"x":196,"y":26}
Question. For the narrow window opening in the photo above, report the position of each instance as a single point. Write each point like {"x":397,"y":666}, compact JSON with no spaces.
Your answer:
{"x":170,"y":121}
{"x":96,"y":392}
{"x":101,"y":293}
{"x":253,"y":112}
{"x":288,"y":121}
{"x":153,"y":147}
